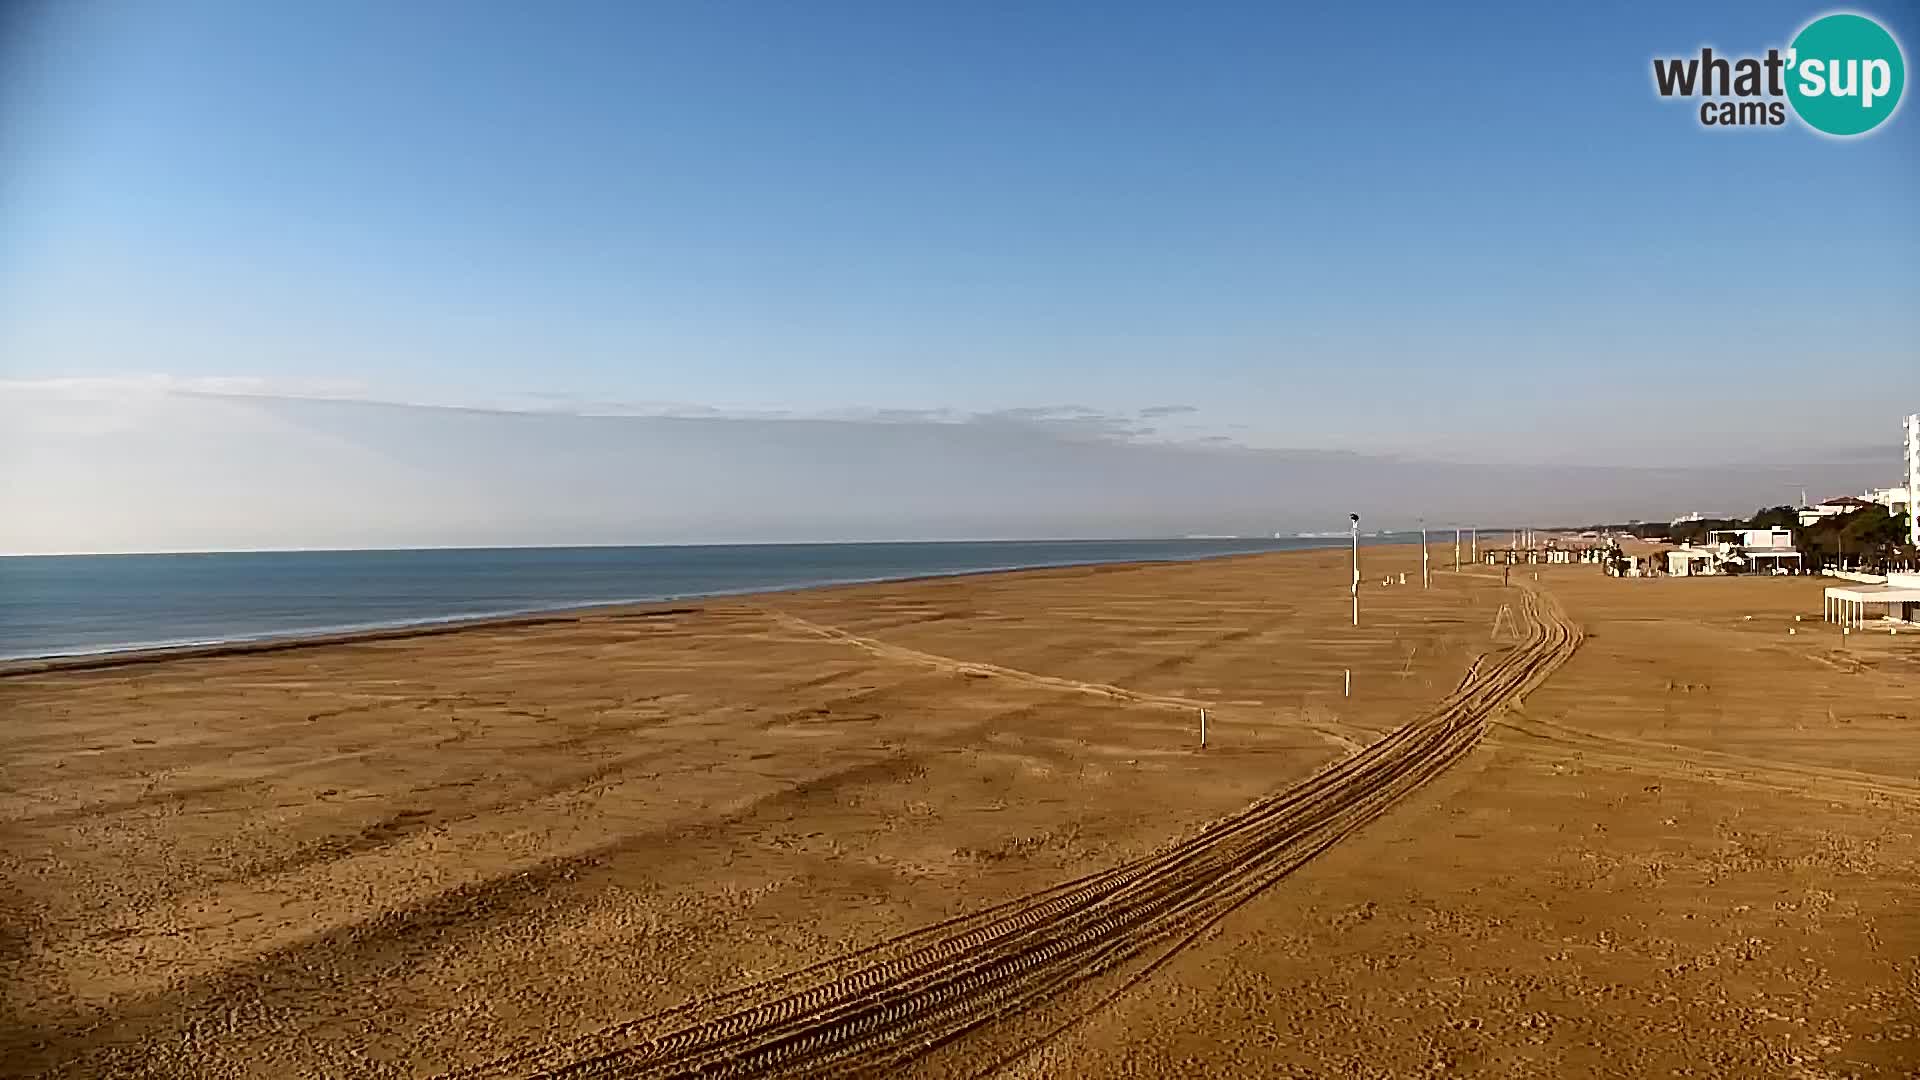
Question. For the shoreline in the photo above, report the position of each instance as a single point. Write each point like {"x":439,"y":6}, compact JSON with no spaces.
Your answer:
{"x":607,"y":819}
{"x":745,"y":786}
{"x":133,"y":655}
{"x":1392,"y":536}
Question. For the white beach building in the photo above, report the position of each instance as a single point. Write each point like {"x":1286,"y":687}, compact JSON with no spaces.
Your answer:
{"x":1897,"y":598}
{"x":1691,"y":562}
{"x":1763,"y":550}
{"x":1845,"y":504}
{"x":1895,"y":499}
{"x":1760,"y":551}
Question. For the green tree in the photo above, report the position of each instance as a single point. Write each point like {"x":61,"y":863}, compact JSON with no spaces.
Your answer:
{"x":1870,"y":537}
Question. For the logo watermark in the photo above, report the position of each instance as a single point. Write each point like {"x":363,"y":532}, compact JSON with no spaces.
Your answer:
{"x":1842,"y":75}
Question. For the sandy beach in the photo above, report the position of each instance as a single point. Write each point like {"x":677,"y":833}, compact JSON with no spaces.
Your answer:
{"x":1691,"y":843}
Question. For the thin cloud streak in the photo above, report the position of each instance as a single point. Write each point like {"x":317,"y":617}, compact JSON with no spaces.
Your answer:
{"x":140,"y":468}
{"x":1165,"y":424}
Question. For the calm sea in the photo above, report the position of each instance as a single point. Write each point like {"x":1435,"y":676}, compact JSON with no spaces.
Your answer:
{"x":57,"y":605}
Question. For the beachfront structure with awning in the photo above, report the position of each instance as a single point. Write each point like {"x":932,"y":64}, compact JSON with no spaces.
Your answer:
{"x":1896,"y":598}
{"x":1763,"y":550}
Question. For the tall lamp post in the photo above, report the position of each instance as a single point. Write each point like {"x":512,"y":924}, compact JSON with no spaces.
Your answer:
{"x":1426,"y":575}
{"x":1354,"y":524}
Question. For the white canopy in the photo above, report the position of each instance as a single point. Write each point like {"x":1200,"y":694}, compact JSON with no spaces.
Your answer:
{"x":1847,"y":604}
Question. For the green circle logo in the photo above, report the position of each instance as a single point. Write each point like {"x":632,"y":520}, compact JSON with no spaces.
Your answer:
{"x":1845,"y":74}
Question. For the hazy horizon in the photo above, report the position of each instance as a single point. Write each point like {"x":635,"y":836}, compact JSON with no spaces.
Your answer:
{"x":129,"y":469}
{"x":612,"y":273}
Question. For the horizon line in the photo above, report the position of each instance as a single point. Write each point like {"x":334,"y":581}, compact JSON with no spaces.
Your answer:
{"x":1223,"y":538}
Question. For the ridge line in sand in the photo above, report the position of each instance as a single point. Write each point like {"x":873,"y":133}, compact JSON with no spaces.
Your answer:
{"x":888,"y":651}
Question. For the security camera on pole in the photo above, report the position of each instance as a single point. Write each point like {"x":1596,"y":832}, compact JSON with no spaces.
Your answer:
{"x":1354,"y":524}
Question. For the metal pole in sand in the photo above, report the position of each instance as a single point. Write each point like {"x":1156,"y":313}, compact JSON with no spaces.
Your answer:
{"x":1426,"y":575}
{"x":1203,"y":729}
{"x":1349,"y":690}
{"x":1456,"y":549}
{"x":1354,"y":521}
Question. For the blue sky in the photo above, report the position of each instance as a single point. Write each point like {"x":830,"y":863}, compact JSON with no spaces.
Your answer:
{"x":1466,"y":232}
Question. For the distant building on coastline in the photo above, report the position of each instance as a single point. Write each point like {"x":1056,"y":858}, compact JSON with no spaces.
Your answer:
{"x":1845,"y":504}
{"x":1690,"y":562}
{"x":1913,"y":480}
{"x":1776,"y":538}
{"x":1759,"y":551}
{"x":1897,"y":500}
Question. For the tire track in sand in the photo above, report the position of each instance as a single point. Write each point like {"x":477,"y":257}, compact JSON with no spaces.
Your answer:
{"x":874,"y":1009}
{"x":1347,"y":739}
{"x":1541,"y":737}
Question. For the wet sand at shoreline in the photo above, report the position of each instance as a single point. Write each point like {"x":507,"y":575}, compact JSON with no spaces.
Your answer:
{"x":398,"y":856}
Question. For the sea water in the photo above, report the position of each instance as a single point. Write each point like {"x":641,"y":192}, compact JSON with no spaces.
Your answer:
{"x":56,"y":605}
